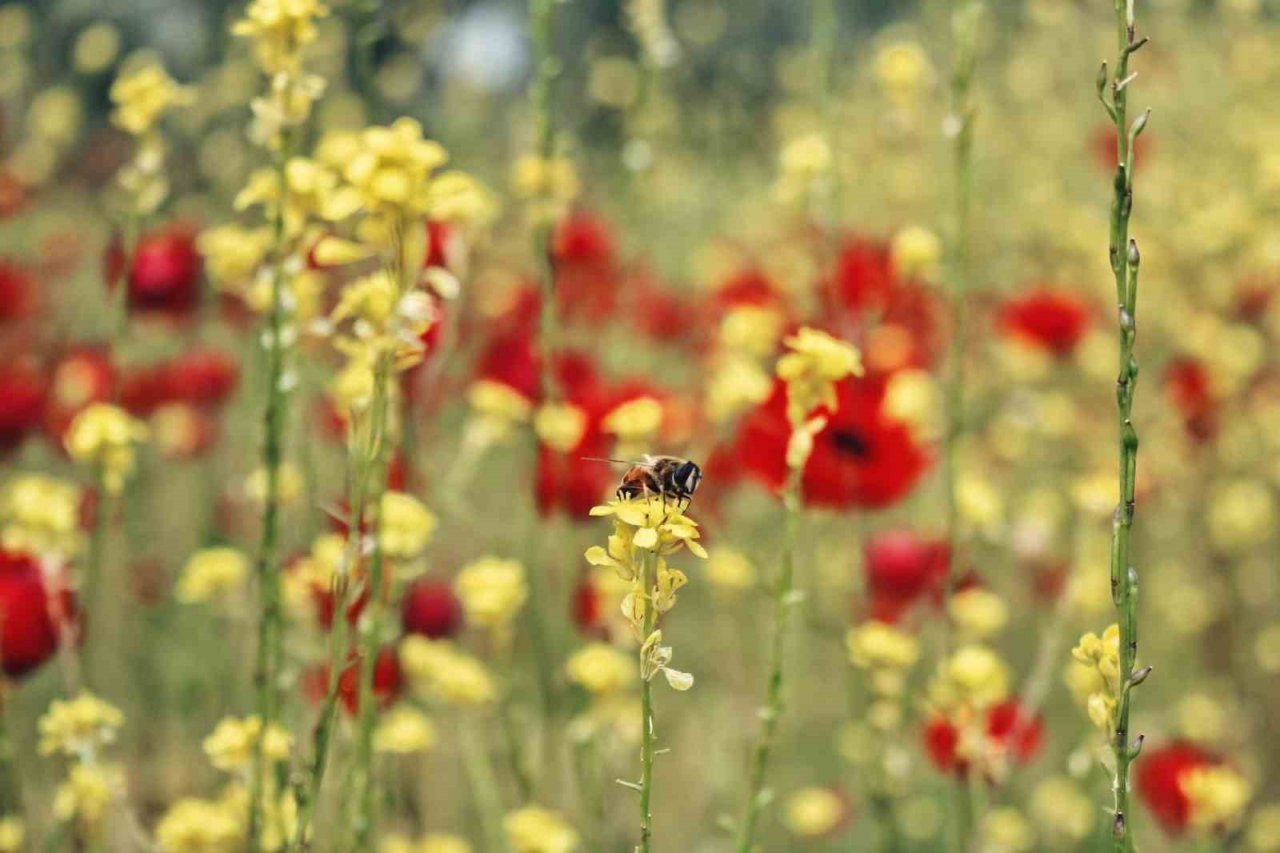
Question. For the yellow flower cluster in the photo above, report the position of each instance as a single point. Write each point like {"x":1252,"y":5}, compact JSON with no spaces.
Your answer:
{"x":405,"y":526}
{"x":86,"y":794}
{"x":738,"y":380}
{"x":492,"y":591}
{"x":646,"y":532}
{"x":887,"y":654}
{"x":280,"y":29}
{"x":142,"y":95}
{"x":231,"y":745}
{"x":211,"y":573}
{"x":78,"y":727}
{"x":805,"y":163}
{"x":1218,"y":794}
{"x":635,"y":423}
{"x":106,"y":437}
{"x":1095,"y":675}
{"x":601,"y":669}
{"x":972,"y":678}
{"x":432,"y":842}
{"x":12,"y":833}
{"x":814,"y":363}
{"x":437,"y":669}
{"x":40,"y":515}
{"x":193,"y":825}
{"x":549,"y":186}
{"x":560,"y":426}
{"x":978,"y":613}
{"x":404,"y":731}
{"x":537,"y":830}
{"x":814,"y":812}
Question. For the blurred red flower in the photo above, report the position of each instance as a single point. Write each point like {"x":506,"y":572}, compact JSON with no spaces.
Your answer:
{"x":1051,"y":320}
{"x":862,"y":458}
{"x":203,"y":376}
{"x":586,"y":268}
{"x":431,"y":608}
{"x":902,"y":567}
{"x":18,"y":296}
{"x":29,"y":630}
{"x":164,"y":272}
{"x":1158,"y":779}
{"x":388,"y":680}
{"x":82,"y":375}
{"x":1189,"y":387}
{"x":22,"y":400}
{"x":1011,"y":734}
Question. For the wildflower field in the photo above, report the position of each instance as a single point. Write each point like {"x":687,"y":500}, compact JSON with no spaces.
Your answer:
{"x":695,"y":426}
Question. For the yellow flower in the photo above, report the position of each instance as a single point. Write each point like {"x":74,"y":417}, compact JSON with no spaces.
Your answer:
{"x":1058,"y":805}
{"x":404,"y":731}
{"x":12,"y":833}
{"x":554,"y":179}
{"x":635,"y":420}
{"x":405,"y":525}
{"x":393,"y":167}
{"x":974,"y":677}
{"x":649,"y":525}
{"x":436,"y":668}
{"x":280,"y":29}
{"x":200,"y":826}
{"x":458,"y":197}
{"x":814,"y":812}
{"x":978,"y":612}
{"x":85,"y":795}
{"x":729,"y":569}
{"x":903,"y":70}
{"x":877,"y":644}
{"x":74,"y":727}
{"x":231,"y":745}
{"x":538,"y":830}
{"x":492,"y":591}
{"x":288,"y":485}
{"x":1218,"y":795}
{"x":600,"y":668}
{"x":105,"y":435}
{"x":815,"y":363}
{"x":210,"y":573}
{"x":1005,"y":830}
{"x":914,"y":397}
{"x":806,"y":157}
{"x":560,"y":426}
{"x":916,"y":252}
{"x":142,"y":95}
{"x":437,"y":842}
{"x":40,"y":515}
{"x":751,"y":329}
{"x":499,"y":400}
{"x":736,"y":383}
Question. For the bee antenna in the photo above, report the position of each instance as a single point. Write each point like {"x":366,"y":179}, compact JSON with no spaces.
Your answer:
{"x":606,"y":459}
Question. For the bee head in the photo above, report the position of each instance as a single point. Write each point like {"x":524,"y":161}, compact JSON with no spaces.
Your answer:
{"x":687,"y":477}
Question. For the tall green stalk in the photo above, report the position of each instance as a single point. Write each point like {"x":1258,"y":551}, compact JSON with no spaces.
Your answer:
{"x":783,"y":595}
{"x":266,"y":669}
{"x":964,"y":36}
{"x":1124,"y":259}
{"x":646,"y":708}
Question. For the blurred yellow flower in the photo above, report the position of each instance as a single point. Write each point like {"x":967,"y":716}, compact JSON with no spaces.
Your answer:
{"x":600,"y":668}
{"x":1241,"y":514}
{"x":79,"y":726}
{"x":492,"y":591}
{"x":280,"y":29}
{"x":875,"y":644}
{"x":1062,"y":809}
{"x":978,"y":612}
{"x":560,"y":426}
{"x":903,"y":70}
{"x":814,"y":363}
{"x":405,"y":525}
{"x":1263,"y":833}
{"x":538,"y":830}
{"x":1218,"y":795}
{"x":142,"y":94}
{"x":437,"y":669}
{"x":1005,"y":830}
{"x":86,"y":794}
{"x":40,"y":514}
{"x":634,"y":421}
{"x":200,"y":826}
{"x":916,"y":252}
{"x":974,"y":676}
{"x":730,"y":569}
{"x":211,"y":572}
{"x":12,"y":833}
{"x":289,"y":484}
{"x":105,"y":436}
{"x":751,"y":329}
{"x":404,"y":731}
{"x":231,"y":745}
{"x":814,"y":812}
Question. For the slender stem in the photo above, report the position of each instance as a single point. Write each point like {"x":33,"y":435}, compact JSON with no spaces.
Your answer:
{"x":960,"y":126}
{"x":270,"y":624}
{"x":1124,"y":259}
{"x":484,"y":785}
{"x":773,"y":706}
{"x":646,"y":706}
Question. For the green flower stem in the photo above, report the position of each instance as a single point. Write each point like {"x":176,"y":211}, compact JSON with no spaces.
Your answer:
{"x":484,"y":785}
{"x":1124,"y":259}
{"x":648,"y":572}
{"x":783,"y":594}
{"x":964,"y":32}
{"x":266,"y":670}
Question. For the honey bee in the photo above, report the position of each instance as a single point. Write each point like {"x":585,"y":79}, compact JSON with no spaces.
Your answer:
{"x":663,"y":476}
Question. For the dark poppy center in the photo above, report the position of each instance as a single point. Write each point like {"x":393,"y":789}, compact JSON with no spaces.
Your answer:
{"x":850,"y":443}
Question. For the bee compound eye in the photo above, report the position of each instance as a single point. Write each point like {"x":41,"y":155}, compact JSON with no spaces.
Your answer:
{"x":688,"y":476}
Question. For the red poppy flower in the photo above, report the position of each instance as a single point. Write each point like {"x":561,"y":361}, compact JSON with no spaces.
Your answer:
{"x":1189,"y":388}
{"x":584,"y":606}
{"x":586,"y":270}
{"x":748,"y":287}
{"x":164,"y":273}
{"x":83,"y":375}
{"x":18,"y":296}
{"x":862,"y":458}
{"x":569,"y":483}
{"x":388,"y":680}
{"x":1051,"y":320}
{"x":902,"y":567}
{"x":29,"y":631}
{"x":182,"y":431}
{"x":431,"y":608}
{"x":22,"y":400}
{"x":202,"y":377}
{"x":144,"y":389}
{"x":1011,"y":735}
{"x":1158,"y":779}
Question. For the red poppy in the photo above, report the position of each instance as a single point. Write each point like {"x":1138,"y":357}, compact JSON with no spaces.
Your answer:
{"x":431,"y":608}
{"x":29,"y":629}
{"x":18,"y":296}
{"x":164,"y":273}
{"x":1051,"y":320}
{"x":1011,"y":735}
{"x":182,"y":431}
{"x":902,"y":567}
{"x":586,"y":270}
{"x":1189,"y":388}
{"x":584,"y":606}
{"x":1158,"y":779}
{"x":203,"y":376}
{"x":748,"y":287}
{"x":388,"y":680}
{"x":22,"y":400}
{"x":143,"y":389}
{"x":568,"y":483}
{"x":83,"y":375}
{"x":861,"y":458}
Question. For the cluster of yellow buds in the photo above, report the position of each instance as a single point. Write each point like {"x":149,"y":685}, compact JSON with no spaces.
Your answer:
{"x":79,"y":729}
{"x":231,"y":746}
{"x":211,"y":573}
{"x":40,"y":514}
{"x":533,"y":829}
{"x":805,"y":163}
{"x":492,"y":591}
{"x":548,"y":186}
{"x":645,"y":533}
{"x":973,"y":678}
{"x":747,"y":337}
{"x":886,"y":653}
{"x":1218,"y":794}
{"x":437,"y":669}
{"x":432,"y":842}
{"x":635,"y":423}
{"x":280,"y":30}
{"x":405,"y":526}
{"x":814,"y":363}
{"x":106,"y":437}
{"x":141,"y":95}
{"x":1095,"y":675}
{"x":403,"y":730}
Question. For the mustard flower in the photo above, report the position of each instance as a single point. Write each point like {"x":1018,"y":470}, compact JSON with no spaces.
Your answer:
{"x":436,"y":668}
{"x":459,"y":198}
{"x":1005,"y":830}
{"x":549,"y":186}
{"x":210,"y":573}
{"x":142,"y":94}
{"x":537,"y":830}
{"x":289,"y":484}
{"x":814,"y":363}
{"x":601,"y":669}
{"x":903,"y":70}
{"x":432,"y":842}
{"x":1096,"y":675}
{"x":85,"y":795}
{"x":404,"y":731}
{"x":200,"y":826}
{"x":12,"y":833}
{"x":978,"y":613}
{"x":916,"y":252}
{"x":814,"y":812}
{"x":730,"y":570}
{"x":560,"y":426}
{"x":973,"y":677}
{"x":1219,"y":796}
{"x":231,"y":745}
{"x":876,"y":644}
{"x":106,"y":436}
{"x":280,"y":29}
{"x":635,"y":423}
{"x":492,"y":591}
{"x":405,"y":525}
{"x":1062,"y":809}
{"x":79,"y":726}
{"x":40,"y":514}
